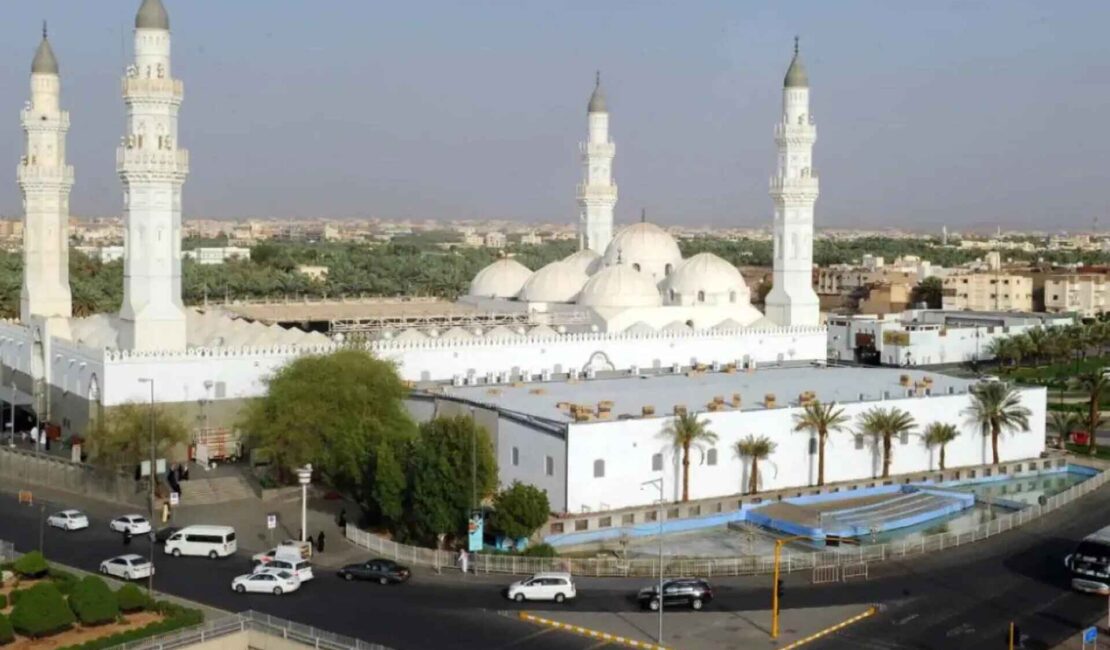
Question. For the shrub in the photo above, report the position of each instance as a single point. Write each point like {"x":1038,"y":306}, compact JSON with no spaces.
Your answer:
{"x":31,"y":565}
{"x":3,"y":601}
{"x":539,"y":550}
{"x":63,"y":580}
{"x":41,"y":611}
{"x":15,"y":595}
{"x":131,"y":598}
{"x":7,"y":634}
{"x":93,"y":602}
{"x":177,"y":617}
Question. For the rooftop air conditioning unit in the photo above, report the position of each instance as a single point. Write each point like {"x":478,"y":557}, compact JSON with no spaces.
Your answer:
{"x":634,"y":370}
{"x":526,"y":375}
{"x":591,"y":373}
{"x":545,"y":375}
{"x":676,"y":368}
{"x":491,"y":378}
{"x":715,"y":366}
{"x":457,"y":380}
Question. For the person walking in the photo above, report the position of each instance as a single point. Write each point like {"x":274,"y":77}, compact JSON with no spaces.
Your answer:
{"x":320,"y":542}
{"x":127,"y":537}
{"x":464,"y":561}
{"x":342,"y":521}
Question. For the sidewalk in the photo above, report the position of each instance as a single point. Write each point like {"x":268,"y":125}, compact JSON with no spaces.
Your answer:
{"x":1076,"y":642}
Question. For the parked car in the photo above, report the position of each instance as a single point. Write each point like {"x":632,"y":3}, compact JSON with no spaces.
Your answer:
{"x":688,"y":592}
{"x":543,"y":586}
{"x":68,"y":520}
{"x":298,"y":567}
{"x":379,"y":570}
{"x":162,"y":534}
{"x":266,"y":582}
{"x":128,"y":567}
{"x":137,"y":524}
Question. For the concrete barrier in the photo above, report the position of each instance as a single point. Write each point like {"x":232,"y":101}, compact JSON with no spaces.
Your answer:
{"x":29,"y":468}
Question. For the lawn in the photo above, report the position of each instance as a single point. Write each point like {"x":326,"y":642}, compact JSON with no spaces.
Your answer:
{"x":1055,"y":375}
{"x":1081,"y":452}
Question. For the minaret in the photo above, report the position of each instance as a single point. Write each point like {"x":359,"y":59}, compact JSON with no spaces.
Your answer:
{"x":792,"y":300}
{"x":152,"y":169}
{"x":45,"y":179}
{"x":597,"y":194}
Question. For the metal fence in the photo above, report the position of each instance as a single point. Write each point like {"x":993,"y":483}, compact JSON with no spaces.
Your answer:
{"x":736,"y":566}
{"x":7,"y":551}
{"x":251,"y":621}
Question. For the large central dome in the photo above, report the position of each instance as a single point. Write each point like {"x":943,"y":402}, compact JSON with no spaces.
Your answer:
{"x":644,"y":247}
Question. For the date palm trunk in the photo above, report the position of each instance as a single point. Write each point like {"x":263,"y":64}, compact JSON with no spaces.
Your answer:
{"x":753,"y":480}
{"x":686,"y":472}
{"x":886,"y":455}
{"x":821,"y":457}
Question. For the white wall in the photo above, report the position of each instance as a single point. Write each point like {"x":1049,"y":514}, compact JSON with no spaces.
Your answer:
{"x":627,"y":447}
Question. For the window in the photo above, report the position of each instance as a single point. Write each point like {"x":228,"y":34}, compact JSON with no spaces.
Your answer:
{"x":904,"y":438}
{"x":711,"y":456}
{"x":732,"y":296}
{"x":636,"y":267}
{"x":516,"y":456}
{"x":701,"y":296}
{"x":859,"y":442}
{"x":667,"y":269}
{"x":657,"y":462}
{"x":812,"y":446}
{"x":599,"y":468}
{"x":549,"y":465}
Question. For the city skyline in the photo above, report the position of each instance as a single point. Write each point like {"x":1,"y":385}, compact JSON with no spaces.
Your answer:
{"x":964,"y":120}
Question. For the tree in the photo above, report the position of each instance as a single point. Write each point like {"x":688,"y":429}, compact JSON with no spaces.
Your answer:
{"x":1063,"y":423}
{"x":1094,"y":384}
{"x":996,"y":406}
{"x":929,"y":291}
{"x":331,"y":411}
{"x":121,"y":437}
{"x":686,"y":432}
{"x":939,"y":434}
{"x":452,"y":471}
{"x":41,"y":611}
{"x":519,"y":510}
{"x":884,"y":424}
{"x":756,"y":448}
{"x":93,"y":602}
{"x":388,"y":484}
{"x":820,"y":419}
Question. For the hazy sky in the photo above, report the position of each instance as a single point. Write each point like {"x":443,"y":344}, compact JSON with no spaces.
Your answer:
{"x":930,"y":112}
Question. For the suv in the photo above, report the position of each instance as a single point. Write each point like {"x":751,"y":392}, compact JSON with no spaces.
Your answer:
{"x":543,"y":586}
{"x":691,"y":592}
{"x":298,"y":567}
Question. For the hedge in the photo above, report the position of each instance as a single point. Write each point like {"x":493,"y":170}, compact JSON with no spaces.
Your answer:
{"x":31,"y":565}
{"x":539,"y":550}
{"x":63,"y":580}
{"x":132,"y":599}
{"x":93,"y":602}
{"x":177,"y":617}
{"x":7,"y":634}
{"x":3,"y":601}
{"x":15,"y":595}
{"x":41,"y":611}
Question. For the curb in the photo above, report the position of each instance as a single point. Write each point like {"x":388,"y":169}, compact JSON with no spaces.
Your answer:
{"x":870,"y":611}
{"x":593,"y":634}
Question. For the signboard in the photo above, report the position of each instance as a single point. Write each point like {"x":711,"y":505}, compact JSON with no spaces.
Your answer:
{"x":160,"y":467}
{"x":175,"y":498}
{"x":475,"y":529}
{"x":1090,"y":635}
{"x":271,"y":521}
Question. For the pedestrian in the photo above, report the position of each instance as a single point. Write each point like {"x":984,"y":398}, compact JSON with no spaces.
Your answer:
{"x":165,"y":511}
{"x":320,"y":542}
{"x":126,"y":536}
{"x":343,"y":519}
{"x":464,"y":561}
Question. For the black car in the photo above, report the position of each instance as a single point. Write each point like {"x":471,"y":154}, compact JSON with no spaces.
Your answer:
{"x":687,"y":592}
{"x":382,"y":571}
{"x":162,"y":534}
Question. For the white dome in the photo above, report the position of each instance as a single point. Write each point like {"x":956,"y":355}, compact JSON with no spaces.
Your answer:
{"x":620,"y":286}
{"x":644,"y":247}
{"x":586,"y":260}
{"x":502,"y":279}
{"x":705,"y":279}
{"x":556,"y":282}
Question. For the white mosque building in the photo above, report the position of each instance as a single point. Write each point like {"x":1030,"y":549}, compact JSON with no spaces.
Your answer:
{"x":623,"y":303}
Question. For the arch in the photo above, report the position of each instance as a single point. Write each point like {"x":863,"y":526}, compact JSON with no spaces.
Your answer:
{"x":94,"y":389}
{"x":732,"y":296}
{"x":671,"y":295}
{"x":635,"y":266}
{"x":667,"y":269}
{"x":701,"y":296}
{"x":599,"y":468}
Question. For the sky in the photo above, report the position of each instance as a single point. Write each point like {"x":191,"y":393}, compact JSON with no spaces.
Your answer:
{"x":932,"y":112}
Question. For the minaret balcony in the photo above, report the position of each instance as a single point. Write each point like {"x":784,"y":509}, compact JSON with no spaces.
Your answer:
{"x":32,"y":120}
{"x":139,"y":87}
{"x":38,"y":173}
{"x":176,"y":161}
{"x":601,"y":149}
{"x":597,"y":192}
{"x":801,"y":131}
{"x":806,"y":184}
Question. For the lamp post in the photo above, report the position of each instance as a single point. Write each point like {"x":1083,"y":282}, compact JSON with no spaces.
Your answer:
{"x":304,"y":477}
{"x":153,"y":474}
{"x":658,"y":482}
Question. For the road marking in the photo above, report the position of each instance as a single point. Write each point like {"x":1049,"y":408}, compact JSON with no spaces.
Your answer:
{"x":870,"y":611}
{"x":960,"y":630}
{"x":604,"y":637}
{"x":906,"y":619}
{"x":529,"y":637}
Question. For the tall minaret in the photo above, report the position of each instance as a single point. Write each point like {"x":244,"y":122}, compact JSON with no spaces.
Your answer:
{"x":45,"y":179}
{"x":597,"y":194}
{"x":792,"y":300}
{"x":152,"y":169}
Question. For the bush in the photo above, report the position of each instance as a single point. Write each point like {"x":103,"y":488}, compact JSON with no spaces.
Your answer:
{"x":3,"y":601}
{"x":15,"y":595}
{"x":93,"y":602}
{"x":63,"y":580}
{"x":41,"y":611}
{"x":177,"y":617}
{"x":7,"y":634}
{"x":132,"y":599}
{"x":539,"y":550}
{"x":31,"y":565}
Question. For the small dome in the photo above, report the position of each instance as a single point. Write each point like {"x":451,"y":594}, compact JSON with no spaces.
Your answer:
{"x":705,"y":279}
{"x":644,"y":247}
{"x":597,"y":99}
{"x":796,"y":74}
{"x":44,"y":62}
{"x":152,"y":15}
{"x":556,"y":282}
{"x":620,"y":286}
{"x":586,"y":260}
{"x":502,"y":279}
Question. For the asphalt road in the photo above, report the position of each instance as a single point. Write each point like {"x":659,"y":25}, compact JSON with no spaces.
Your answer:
{"x":963,"y":598}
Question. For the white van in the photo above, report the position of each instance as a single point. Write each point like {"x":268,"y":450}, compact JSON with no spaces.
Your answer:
{"x":213,"y":541}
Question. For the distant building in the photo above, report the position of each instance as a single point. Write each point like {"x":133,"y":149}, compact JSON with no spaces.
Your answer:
{"x":530,"y":239}
{"x":103,"y":254}
{"x":473,"y":240}
{"x":217,"y":255}
{"x":886,"y":298}
{"x":495,"y":240}
{"x":318,"y":273}
{"x":1085,"y":294}
{"x":988,"y":292}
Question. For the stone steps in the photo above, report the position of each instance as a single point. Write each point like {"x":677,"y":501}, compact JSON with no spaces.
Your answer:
{"x":204,"y":491}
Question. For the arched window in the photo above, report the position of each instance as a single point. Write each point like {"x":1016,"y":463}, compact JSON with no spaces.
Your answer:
{"x":701,"y":296}
{"x":711,"y":456}
{"x":732,"y":296}
{"x":671,"y":295}
{"x":635,"y":267}
{"x":657,"y":462}
{"x":667,"y":269}
{"x":599,"y":468}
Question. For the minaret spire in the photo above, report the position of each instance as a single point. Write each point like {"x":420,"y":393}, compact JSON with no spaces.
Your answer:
{"x":597,"y":194}
{"x":44,"y":30}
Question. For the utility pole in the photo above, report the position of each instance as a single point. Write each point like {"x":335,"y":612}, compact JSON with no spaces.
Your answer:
{"x":658,"y":482}
{"x":153,"y":483}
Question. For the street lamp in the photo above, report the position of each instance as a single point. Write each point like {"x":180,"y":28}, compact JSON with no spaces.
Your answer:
{"x":658,"y":482}
{"x":304,"y":477}
{"x":153,"y":470}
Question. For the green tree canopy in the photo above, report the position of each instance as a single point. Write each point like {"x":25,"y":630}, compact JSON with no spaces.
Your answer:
{"x":519,"y":510}
{"x":121,"y":437}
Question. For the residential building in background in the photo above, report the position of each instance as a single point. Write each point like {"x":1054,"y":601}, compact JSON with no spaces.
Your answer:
{"x":495,"y":240}
{"x":988,"y":292}
{"x":1085,"y":294}
{"x":212,"y":255}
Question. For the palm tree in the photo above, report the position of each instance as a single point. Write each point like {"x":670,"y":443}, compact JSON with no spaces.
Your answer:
{"x":996,"y":406}
{"x":756,"y":448}
{"x":684,"y":432}
{"x":885,"y":424}
{"x":1094,"y":383}
{"x":1035,"y":340}
{"x":820,"y":419}
{"x":1063,"y":423}
{"x":939,"y":434}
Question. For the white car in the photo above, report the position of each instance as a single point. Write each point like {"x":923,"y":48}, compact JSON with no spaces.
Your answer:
{"x":543,"y":586}
{"x":68,"y":520}
{"x":128,"y":567}
{"x":137,"y":524}
{"x":298,"y":567}
{"x":267,"y":582}
{"x":287,"y":550}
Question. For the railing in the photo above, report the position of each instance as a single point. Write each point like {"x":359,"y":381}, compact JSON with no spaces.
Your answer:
{"x":251,"y":621}
{"x":737,"y":566}
{"x":165,"y":161}
{"x":7,"y":551}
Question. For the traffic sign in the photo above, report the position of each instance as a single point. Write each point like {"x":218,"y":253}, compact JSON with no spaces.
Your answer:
{"x":175,"y":498}
{"x":271,"y":521}
{"x":1090,"y":635}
